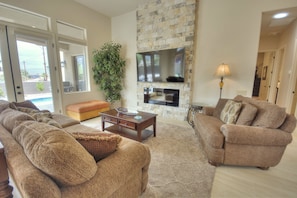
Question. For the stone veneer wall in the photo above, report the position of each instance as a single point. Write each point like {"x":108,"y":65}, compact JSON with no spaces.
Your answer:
{"x":165,"y":24}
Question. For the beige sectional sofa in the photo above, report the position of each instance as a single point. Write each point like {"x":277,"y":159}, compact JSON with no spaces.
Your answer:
{"x":244,"y":132}
{"x":46,"y":159}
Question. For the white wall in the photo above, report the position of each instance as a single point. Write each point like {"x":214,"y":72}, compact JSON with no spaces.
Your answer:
{"x":124,"y":32}
{"x":270,"y":43}
{"x":228,"y":31}
{"x":98,"y":31}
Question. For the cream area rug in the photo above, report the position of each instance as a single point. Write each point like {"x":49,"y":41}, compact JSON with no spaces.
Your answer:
{"x":178,"y":168}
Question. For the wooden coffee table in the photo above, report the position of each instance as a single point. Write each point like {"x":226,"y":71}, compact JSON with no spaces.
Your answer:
{"x":126,"y":125}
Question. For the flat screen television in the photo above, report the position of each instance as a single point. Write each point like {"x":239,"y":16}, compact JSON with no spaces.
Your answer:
{"x":161,"y":66}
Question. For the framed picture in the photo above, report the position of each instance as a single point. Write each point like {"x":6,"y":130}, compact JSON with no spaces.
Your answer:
{"x":264,"y":73}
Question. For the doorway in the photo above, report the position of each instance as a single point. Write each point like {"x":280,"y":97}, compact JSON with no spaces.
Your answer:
{"x":263,"y":75}
{"x":27,"y":67}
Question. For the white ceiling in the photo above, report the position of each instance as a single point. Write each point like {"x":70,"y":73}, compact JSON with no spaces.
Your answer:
{"x":112,"y":8}
{"x":273,"y":27}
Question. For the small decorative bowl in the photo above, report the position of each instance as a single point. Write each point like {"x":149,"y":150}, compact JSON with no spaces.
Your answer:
{"x":138,"y":117}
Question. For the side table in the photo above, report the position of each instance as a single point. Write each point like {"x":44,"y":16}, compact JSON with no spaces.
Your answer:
{"x":5,"y":188}
{"x":194,"y":108}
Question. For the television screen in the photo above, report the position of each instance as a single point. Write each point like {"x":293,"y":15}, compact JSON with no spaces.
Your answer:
{"x":161,"y":66}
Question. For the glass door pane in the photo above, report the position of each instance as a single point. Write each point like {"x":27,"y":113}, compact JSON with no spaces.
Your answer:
{"x":31,"y":58}
{"x":34,"y":70}
{"x":3,"y":94}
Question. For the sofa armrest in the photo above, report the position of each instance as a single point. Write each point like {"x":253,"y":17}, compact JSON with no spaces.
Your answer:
{"x":63,"y":120}
{"x":130,"y":163}
{"x":208,"y":110}
{"x":251,"y":135}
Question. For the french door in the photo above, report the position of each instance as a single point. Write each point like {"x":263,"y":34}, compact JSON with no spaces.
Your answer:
{"x":27,"y":68}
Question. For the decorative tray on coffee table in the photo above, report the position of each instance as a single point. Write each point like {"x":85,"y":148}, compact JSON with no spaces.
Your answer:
{"x":125,"y":111}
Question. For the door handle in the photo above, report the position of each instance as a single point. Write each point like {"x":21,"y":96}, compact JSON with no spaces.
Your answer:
{"x":18,"y":87}
{"x":19,"y":92}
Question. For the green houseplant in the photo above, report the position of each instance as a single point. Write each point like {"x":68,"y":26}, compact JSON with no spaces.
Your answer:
{"x":40,"y":86}
{"x":109,"y":70}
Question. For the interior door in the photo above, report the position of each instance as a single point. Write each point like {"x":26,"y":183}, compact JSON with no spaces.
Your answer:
{"x":266,"y":75}
{"x":30,"y":59}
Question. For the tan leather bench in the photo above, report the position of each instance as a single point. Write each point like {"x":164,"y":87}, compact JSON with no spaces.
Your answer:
{"x":86,"y":110}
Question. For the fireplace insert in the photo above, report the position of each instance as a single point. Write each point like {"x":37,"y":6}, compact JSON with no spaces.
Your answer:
{"x":159,"y":96}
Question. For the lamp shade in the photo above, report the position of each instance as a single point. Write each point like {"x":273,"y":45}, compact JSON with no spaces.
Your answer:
{"x":223,"y":70}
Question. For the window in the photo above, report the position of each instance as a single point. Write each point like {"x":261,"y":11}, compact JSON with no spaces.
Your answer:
{"x":73,"y":50}
{"x":73,"y":67}
{"x":23,"y":17}
{"x":71,"y":31}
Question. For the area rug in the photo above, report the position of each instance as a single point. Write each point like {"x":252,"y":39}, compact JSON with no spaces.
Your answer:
{"x":178,"y":168}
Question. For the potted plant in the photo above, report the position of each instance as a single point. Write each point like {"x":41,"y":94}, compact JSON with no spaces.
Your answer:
{"x":109,"y":70}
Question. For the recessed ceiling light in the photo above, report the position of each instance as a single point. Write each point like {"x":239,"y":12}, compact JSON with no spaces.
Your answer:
{"x":280,"y":15}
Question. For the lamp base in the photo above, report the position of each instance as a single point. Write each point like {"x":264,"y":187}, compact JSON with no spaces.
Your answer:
{"x":221,"y":84}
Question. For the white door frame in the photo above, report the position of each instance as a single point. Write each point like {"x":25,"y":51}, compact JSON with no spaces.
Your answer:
{"x":11,"y":61}
{"x":292,"y":81}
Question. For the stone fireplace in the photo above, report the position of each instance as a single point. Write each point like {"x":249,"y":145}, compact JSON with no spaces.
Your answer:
{"x":163,"y":24}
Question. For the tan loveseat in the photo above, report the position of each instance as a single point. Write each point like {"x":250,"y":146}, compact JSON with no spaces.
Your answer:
{"x":252,"y":133}
{"x":45,"y":160}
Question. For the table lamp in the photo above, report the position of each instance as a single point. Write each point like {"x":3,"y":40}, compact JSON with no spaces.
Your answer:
{"x":222,"y":71}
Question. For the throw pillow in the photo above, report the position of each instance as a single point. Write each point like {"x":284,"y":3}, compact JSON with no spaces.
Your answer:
{"x":269,"y":115}
{"x":247,"y":114}
{"x":40,"y":116}
{"x":26,"y":103}
{"x":4,"y":105}
{"x":9,"y":117}
{"x":55,"y":152}
{"x":230,"y":112}
{"x":100,"y":144}
{"x":27,"y":110}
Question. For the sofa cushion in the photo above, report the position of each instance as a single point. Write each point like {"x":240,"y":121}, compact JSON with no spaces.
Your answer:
{"x":230,"y":112}
{"x":100,"y":145}
{"x":289,"y":123}
{"x":219,"y":107}
{"x":64,"y":120}
{"x":9,"y":117}
{"x":55,"y":152}
{"x":269,"y":115}
{"x":247,"y":114}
